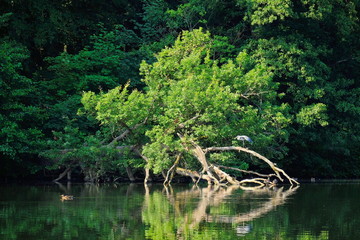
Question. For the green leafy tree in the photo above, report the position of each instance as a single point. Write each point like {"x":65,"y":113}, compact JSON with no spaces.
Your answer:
{"x":192,"y":100}
{"x":19,"y":136}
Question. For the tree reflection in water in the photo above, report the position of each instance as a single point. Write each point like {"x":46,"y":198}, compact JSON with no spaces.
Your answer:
{"x":204,"y":212}
{"x":315,"y":212}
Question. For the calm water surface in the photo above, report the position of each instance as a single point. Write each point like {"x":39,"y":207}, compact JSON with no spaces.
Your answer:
{"x":313,"y":211}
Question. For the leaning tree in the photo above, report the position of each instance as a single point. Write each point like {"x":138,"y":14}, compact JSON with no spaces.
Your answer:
{"x":193,"y":106}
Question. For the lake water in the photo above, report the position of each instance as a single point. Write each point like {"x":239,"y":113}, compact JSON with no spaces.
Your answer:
{"x":312,"y":211}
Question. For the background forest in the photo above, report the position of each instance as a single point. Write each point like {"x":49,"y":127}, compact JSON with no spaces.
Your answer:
{"x":106,"y":89}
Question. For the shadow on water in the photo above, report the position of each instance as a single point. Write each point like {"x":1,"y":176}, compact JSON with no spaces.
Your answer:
{"x":311,"y":212}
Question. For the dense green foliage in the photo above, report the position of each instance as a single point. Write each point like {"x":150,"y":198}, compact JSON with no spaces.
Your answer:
{"x":285,"y":73}
{"x":188,"y":93}
{"x":19,"y":137}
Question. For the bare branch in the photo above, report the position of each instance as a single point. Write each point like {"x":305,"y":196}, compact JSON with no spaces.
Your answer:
{"x":62,"y":174}
{"x":64,"y":151}
{"x":276,"y":169}
{"x":127,"y":132}
{"x":147,"y":170}
{"x":224,"y":176}
{"x":171,"y":171}
{"x":200,"y":155}
{"x":193,"y":174}
{"x":247,"y":95}
{"x":344,"y":60}
{"x":182,"y":125}
{"x":248,"y":172}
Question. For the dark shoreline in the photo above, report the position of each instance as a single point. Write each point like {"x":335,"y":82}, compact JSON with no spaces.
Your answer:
{"x":49,"y":182}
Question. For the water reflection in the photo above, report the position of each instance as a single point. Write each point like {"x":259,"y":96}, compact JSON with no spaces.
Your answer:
{"x":97,"y":212}
{"x":187,"y":213}
{"x":311,"y":212}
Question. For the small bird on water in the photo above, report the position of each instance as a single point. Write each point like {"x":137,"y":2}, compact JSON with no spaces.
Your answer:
{"x":66,"y":197}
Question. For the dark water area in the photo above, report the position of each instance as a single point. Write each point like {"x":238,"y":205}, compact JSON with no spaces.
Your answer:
{"x":312,"y":211}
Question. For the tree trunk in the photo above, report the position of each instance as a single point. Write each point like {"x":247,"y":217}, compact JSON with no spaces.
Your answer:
{"x":147,"y":170}
{"x":170,"y":174}
{"x":130,"y":174}
{"x":63,"y":174}
{"x":213,"y":175}
{"x":147,"y":176}
{"x":69,"y":175}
